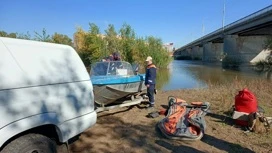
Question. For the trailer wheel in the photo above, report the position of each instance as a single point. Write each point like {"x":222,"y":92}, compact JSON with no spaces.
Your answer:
{"x":31,"y":143}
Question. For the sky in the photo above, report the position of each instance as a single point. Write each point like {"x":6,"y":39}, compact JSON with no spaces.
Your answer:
{"x":177,"y":21}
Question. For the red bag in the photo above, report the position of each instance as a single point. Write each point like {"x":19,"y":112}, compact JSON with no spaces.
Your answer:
{"x":245,"y":102}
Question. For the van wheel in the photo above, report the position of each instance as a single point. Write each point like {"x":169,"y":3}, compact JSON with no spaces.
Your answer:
{"x":31,"y":143}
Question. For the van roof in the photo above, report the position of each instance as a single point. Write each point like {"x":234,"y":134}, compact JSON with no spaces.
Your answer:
{"x":26,"y":63}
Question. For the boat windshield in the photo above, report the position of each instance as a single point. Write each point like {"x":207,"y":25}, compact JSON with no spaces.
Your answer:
{"x":119,"y":68}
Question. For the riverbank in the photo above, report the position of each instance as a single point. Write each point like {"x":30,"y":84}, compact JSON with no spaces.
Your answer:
{"x":129,"y":130}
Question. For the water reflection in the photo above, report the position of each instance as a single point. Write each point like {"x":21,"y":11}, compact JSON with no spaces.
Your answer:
{"x":190,"y":74}
{"x":163,"y":77}
{"x":182,"y":76}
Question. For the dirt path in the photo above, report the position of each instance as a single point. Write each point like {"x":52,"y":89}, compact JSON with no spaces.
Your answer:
{"x":128,"y":130}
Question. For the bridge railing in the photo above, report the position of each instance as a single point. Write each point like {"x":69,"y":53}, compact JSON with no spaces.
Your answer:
{"x":251,"y":16}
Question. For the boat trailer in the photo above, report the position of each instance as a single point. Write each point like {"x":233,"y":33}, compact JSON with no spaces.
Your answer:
{"x":119,"y":104}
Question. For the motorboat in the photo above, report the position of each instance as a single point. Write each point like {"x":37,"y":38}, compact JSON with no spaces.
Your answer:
{"x":113,"y":80}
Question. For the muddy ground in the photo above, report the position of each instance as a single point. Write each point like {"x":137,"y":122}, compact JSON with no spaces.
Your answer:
{"x":128,"y":130}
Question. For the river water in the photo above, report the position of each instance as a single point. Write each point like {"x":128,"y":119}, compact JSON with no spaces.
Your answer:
{"x":194,"y":74}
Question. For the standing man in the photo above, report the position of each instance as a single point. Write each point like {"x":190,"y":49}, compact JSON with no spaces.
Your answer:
{"x":150,"y":80}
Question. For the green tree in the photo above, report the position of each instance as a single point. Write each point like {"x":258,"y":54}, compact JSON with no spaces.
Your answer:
{"x":61,"y":39}
{"x":79,"y":38}
{"x":90,"y":45}
{"x":159,"y":54}
{"x":94,"y":43}
{"x":127,"y":32}
{"x":112,"y":39}
{"x":15,"y":35}
{"x":3,"y":34}
{"x":101,"y":43}
{"x":26,"y":36}
{"x":127,"y":42}
{"x":42,"y":37}
{"x":94,"y":29}
{"x":12,"y":35}
{"x":140,"y":51}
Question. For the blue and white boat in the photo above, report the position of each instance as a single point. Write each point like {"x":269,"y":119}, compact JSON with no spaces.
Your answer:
{"x":115,"y":80}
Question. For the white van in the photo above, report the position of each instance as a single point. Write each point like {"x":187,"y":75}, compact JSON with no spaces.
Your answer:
{"x":46,"y":96}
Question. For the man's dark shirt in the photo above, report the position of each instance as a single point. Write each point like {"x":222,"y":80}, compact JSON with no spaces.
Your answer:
{"x":150,"y":76}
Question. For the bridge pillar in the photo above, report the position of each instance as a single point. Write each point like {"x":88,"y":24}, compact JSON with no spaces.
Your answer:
{"x":188,"y":53}
{"x":212,"y":52}
{"x":197,"y":53}
{"x":242,"y":49}
{"x":182,"y":54}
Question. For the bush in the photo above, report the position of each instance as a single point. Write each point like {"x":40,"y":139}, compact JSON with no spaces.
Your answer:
{"x":93,"y":46}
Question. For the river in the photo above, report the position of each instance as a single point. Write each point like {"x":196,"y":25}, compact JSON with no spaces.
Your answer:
{"x":194,"y":74}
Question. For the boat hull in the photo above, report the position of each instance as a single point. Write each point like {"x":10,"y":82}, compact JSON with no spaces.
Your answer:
{"x":107,"y":94}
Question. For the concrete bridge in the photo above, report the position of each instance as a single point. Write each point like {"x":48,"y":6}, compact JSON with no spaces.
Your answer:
{"x":242,"y":41}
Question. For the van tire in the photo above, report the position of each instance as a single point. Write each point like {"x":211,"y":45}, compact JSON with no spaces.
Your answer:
{"x":31,"y":143}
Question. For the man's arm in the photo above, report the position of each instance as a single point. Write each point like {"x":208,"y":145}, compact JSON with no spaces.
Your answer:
{"x":146,"y":77}
{"x":152,"y":75}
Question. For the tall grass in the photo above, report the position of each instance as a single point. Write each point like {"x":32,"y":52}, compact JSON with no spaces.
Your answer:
{"x":222,"y":95}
